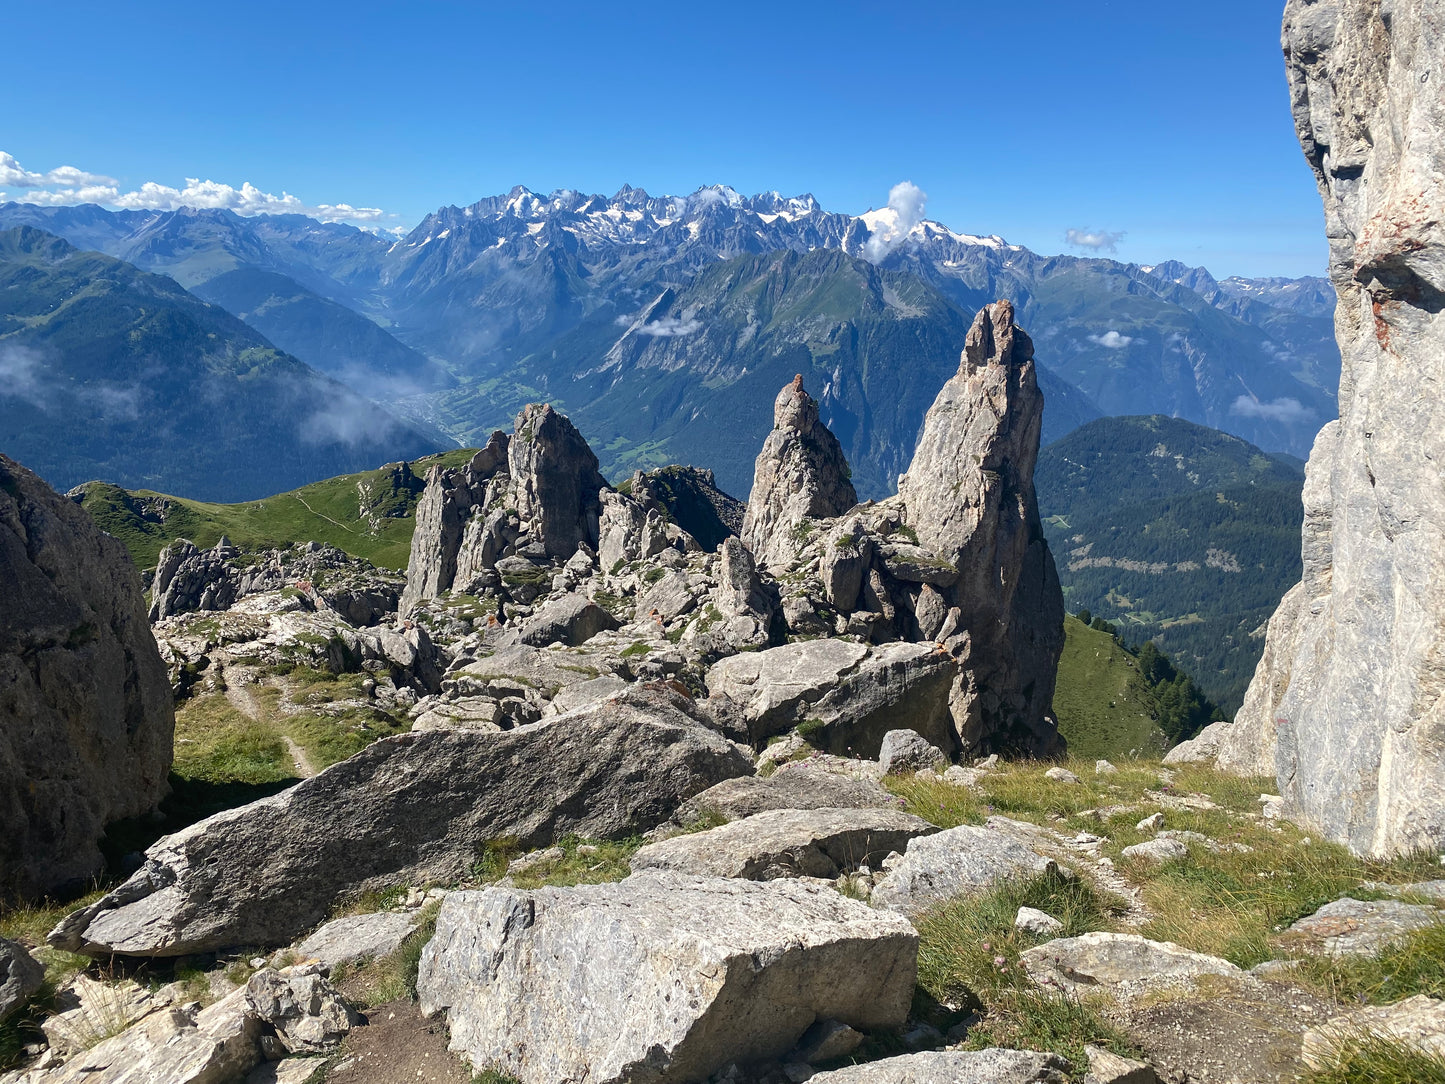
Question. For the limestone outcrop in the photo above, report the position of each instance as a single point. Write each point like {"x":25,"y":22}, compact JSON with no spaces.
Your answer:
{"x":957,"y":559}
{"x":20,"y":976}
{"x":801,"y":475}
{"x":662,"y":978}
{"x":263,"y":873}
{"x":1347,"y":700}
{"x":85,"y":704}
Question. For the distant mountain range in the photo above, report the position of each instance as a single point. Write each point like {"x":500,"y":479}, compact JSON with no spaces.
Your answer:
{"x":110,"y":372}
{"x":665,"y":325}
{"x":1176,"y":533}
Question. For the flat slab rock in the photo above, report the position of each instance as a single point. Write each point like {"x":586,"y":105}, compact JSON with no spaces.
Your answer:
{"x":794,"y":786}
{"x":357,"y":937}
{"x":992,"y":1066}
{"x":960,"y":861}
{"x":1356,"y":928}
{"x":659,"y":979}
{"x":264,"y":873}
{"x":787,"y":843}
{"x":1123,"y":963}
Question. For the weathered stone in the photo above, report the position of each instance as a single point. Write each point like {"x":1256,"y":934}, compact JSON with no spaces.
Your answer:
{"x":969,"y":497}
{"x":992,"y":1066}
{"x":1354,"y":928}
{"x":20,"y":976}
{"x":555,"y":480}
{"x":442,"y":516}
{"x":584,"y":694}
{"x":1346,"y":701}
{"x":84,"y":696}
{"x":847,"y":556}
{"x":908,"y":751}
{"x":219,"y":1047}
{"x":961,"y":861}
{"x":572,"y":619}
{"x":265,"y":872}
{"x":1061,"y":775}
{"x":1156,"y":851}
{"x":827,"y":1040}
{"x":670,"y":598}
{"x":1104,"y":767}
{"x":1417,"y":1023}
{"x":801,"y":475}
{"x":89,"y":1010}
{"x":689,"y":497}
{"x":787,"y":843}
{"x":1106,"y":1067}
{"x":1039,"y":923}
{"x":1122,"y":963}
{"x":286,"y":1071}
{"x":308,"y":1014}
{"x":358,"y":937}
{"x":795,"y":786}
{"x":658,"y":979}
{"x":775,"y":686}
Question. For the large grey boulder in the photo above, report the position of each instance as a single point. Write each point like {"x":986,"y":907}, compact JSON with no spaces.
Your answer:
{"x":659,"y":979}
{"x":991,"y":1066}
{"x":20,"y":976}
{"x":1119,"y":963}
{"x":86,"y":721}
{"x":908,"y":751}
{"x":787,"y":843}
{"x":962,"y":861}
{"x":572,"y":619}
{"x":794,"y":786}
{"x":854,"y":694}
{"x":308,"y":1014}
{"x":801,"y":474}
{"x":969,"y":496}
{"x":410,"y":809}
{"x":1346,"y":701}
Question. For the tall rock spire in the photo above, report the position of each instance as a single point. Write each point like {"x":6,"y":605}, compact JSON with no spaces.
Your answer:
{"x":969,"y":497}
{"x":801,"y":474}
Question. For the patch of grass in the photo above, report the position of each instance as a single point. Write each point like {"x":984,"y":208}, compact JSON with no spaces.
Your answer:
{"x":635,"y":650}
{"x":331,"y":738}
{"x":608,"y":862}
{"x":968,"y":959}
{"x":216,"y":743}
{"x":1413,"y":965}
{"x":392,"y":978}
{"x":1099,"y":710}
{"x":1370,"y":1059}
{"x":493,"y":1076}
{"x":943,"y":804}
{"x":1232,"y":903}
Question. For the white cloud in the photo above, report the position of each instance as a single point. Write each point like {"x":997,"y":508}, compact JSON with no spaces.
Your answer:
{"x":1098,"y":240}
{"x":670,"y":327}
{"x":1112,"y":339}
{"x":67,"y":185}
{"x":891,"y":226}
{"x":1288,"y":411}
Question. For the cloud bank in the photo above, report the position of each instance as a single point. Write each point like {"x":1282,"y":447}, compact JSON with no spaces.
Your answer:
{"x":66,"y":186}
{"x":670,"y":327}
{"x":1288,"y":411}
{"x":1094,"y":240}
{"x":1112,"y":339}
{"x":892,"y":225}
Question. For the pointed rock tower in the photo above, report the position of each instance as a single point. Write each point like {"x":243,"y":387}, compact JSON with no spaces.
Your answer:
{"x":969,"y":497}
{"x":801,"y":475}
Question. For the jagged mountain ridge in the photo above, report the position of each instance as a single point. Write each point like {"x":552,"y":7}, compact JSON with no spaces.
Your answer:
{"x":517,"y":294}
{"x":116,"y":373}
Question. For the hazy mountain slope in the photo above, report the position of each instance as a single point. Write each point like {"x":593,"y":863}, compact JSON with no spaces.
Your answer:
{"x":1177,"y":533}
{"x":323,"y":333}
{"x":114,"y":373}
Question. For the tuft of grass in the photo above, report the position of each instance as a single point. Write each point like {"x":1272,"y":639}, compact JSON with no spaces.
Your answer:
{"x":943,"y":804}
{"x":216,"y":743}
{"x":968,"y":959}
{"x":1370,"y":1059}
{"x":1413,"y":965}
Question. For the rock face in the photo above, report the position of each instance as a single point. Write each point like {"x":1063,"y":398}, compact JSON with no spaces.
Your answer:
{"x":20,"y":976}
{"x":787,"y":843}
{"x":801,"y":474}
{"x":969,"y":495}
{"x":992,"y":1066}
{"x":1347,"y":699}
{"x":794,"y":787}
{"x":691,"y":499}
{"x":555,"y":480}
{"x":659,"y":979}
{"x":263,"y":873}
{"x":1350,"y":927}
{"x":1122,"y":963}
{"x":963,"y":860}
{"x":84,"y":698}
{"x":188,"y":579}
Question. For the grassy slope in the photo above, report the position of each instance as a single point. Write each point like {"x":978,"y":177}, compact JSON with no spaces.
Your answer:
{"x":1099,"y":715}
{"x":327,"y":511}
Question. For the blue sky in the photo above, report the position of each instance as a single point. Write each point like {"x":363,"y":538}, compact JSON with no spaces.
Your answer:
{"x":1165,"y":122}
